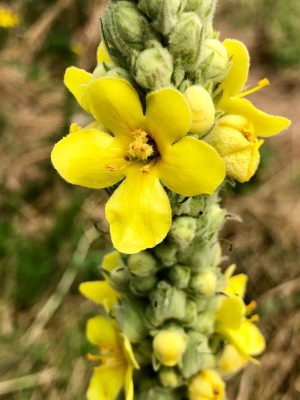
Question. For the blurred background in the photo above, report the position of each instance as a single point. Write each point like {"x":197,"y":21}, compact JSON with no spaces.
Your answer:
{"x":53,"y":235}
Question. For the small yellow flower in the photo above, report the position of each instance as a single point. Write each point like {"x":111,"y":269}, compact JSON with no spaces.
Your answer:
{"x":142,"y":151}
{"x":207,"y":385}
{"x":116,"y":359}
{"x":234,"y":139}
{"x":234,"y":321}
{"x":169,"y":346}
{"x":232,"y":100}
{"x":8,"y":18}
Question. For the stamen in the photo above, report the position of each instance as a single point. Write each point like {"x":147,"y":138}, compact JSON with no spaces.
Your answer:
{"x":261,"y":84}
{"x":254,"y":318}
{"x":251,"y":307}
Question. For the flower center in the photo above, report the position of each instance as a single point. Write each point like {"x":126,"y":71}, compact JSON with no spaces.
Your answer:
{"x":142,"y":147}
{"x":108,"y":356}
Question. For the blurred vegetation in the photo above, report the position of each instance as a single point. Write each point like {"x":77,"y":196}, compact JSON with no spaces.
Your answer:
{"x":275,"y":24}
{"x":53,"y":236}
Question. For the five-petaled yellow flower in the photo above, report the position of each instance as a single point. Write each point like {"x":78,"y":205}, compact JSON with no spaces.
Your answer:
{"x":143,"y":150}
{"x":233,"y":321}
{"x":236,"y":135}
{"x":117,"y":361}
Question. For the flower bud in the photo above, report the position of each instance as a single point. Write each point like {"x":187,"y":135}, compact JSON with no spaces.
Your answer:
{"x":126,"y":28}
{"x":140,"y":286}
{"x":163,"y":14}
{"x":168,"y":346}
{"x":216,"y":62}
{"x":231,"y":361}
{"x":169,"y":378}
{"x":119,"y":278}
{"x":142,"y":264}
{"x":183,"y":231}
{"x":193,"y":206}
{"x":166,"y":253}
{"x":179,"y":276}
{"x":129,"y":316}
{"x":190,"y":313}
{"x":202,"y":109}
{"x":185,"y":41}
{"x":205,"y":322}
{"x":167,"y":302}
{"x":207,"y":385}
{"x":234,"y":139}
{"x":198,"y":355}
{"x":153,"y":68}
{"x":205,"y":282}
{"x":120,"y":73}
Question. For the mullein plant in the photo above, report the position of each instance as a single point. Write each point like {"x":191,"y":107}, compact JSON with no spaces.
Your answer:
{"x":170,"y":124}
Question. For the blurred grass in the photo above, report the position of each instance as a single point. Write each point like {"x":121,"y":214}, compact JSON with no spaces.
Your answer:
{"x":52,"y":235}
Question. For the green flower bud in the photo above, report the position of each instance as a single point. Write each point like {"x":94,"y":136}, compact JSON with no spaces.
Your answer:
{"x":119,"y":277}
{"x":185,"y":41}
{"x":163,"y":14}
{"x":130,"y":319}
{"x":166,"y":253}
{"x":192,"y":206}
{"x":153,"y":68}
{"x":216,"y":62}
{"x":197,"y":356}
{"x":201,"y":254}
{"x":179,"y":276}
{"x":211,"y":222}
{"x":205,"y":282}
{"x":125,"y":28}
{"x":208,"y":303}
{"x":205,"y":322}
{"x":169,"y":346}
{"x":202,"y":109}
{"x":142,"y":264}
{"x":140,"y":286}
{"x":167,"y":302}
{"x":120,"y":73}
{"x":190,"y":313}
{"x":183,"y":231}
{"x":169,"y":378}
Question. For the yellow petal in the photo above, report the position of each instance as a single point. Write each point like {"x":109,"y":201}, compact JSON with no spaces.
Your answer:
{"x":231,"y":313}
{"x":106,"y":383}
{"x":168,"y":116}
{"x":139,"y":212}
{"x":76,"y":80}
{"x":191,"y":167}
{"x":238,"y":73}
{"x":102,"y":331}
{"x":248,"y":339}
{"x":128,"y":384}
{"x":128,"y":352}
{"x":89,"y":158}
{"x":237,"y":285}
{"x":100,"y":292}
{"x":102,"y":54}
{"x":111,"y":261}
{"x":265,"y":124}
{"x":116,"y":104}
{"x":231,"y":361}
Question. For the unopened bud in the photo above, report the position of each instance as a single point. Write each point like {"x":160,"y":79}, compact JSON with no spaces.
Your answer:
{"x":142,"y":264}
{"x":216,"y":62}
{"x":234,"y":139}
{"x":153,"y":68}
{"x":169,"y":378}
{"x":166,"y":253}
{"x":168,"y":346}
{"x":205,"y":282}
{"x":129,"y":316}
{"x":186,"y":40}
{"x":139,"y":286}
{"x":163,"y":14}
{"x":202,"y":109}
{"x":207,"y":385}
{"x":183,"y":231}
{"x":180,"y":275}
{"x":205,"y":322}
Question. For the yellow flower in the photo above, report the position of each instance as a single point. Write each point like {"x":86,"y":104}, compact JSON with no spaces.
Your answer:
{"x":233,"y":321}
{"x":207,"y":385}
{"x":8,"y":19}
{"x":233,"y":137}
{"x":232,"y":100}
{"x":169,"y":346}
{"x":146,"y":150}
{"x":116,"y":358}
